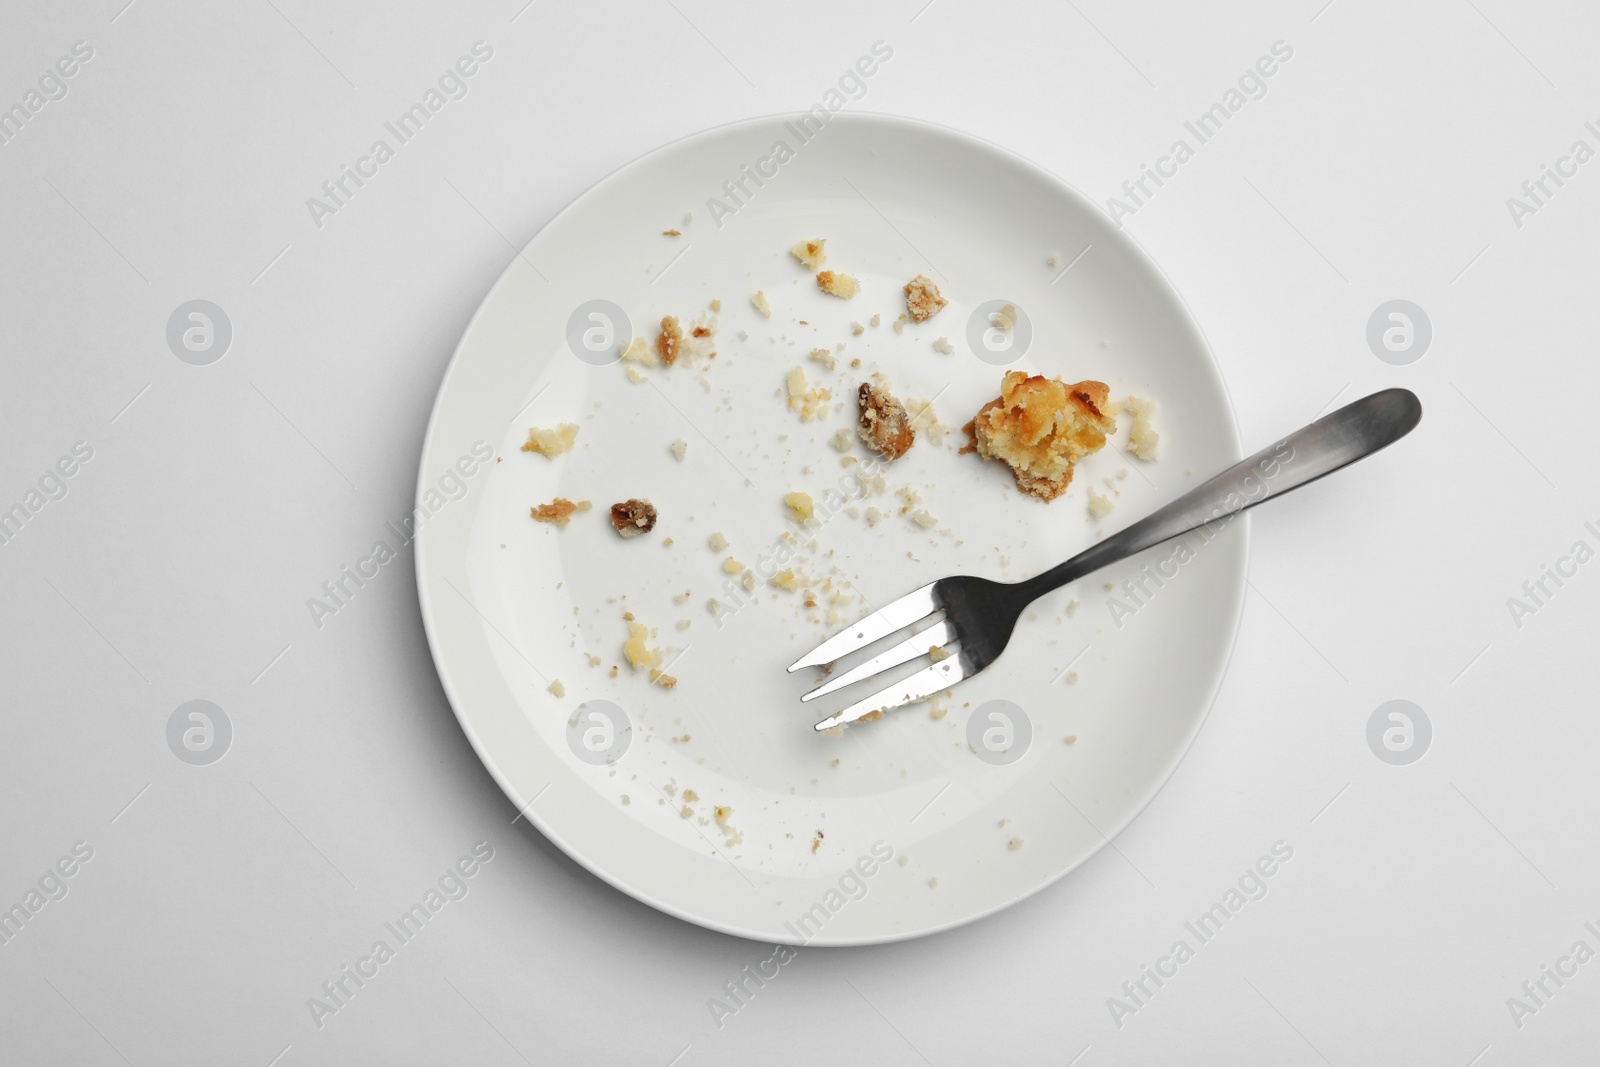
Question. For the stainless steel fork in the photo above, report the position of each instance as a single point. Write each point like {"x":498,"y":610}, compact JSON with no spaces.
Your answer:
{"x":979,"y":615}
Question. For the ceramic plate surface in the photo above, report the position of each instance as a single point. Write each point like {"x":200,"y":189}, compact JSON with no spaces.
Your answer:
{"x":897,"y":828}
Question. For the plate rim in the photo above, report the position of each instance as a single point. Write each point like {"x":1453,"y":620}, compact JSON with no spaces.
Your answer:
{"x":639,"y":894}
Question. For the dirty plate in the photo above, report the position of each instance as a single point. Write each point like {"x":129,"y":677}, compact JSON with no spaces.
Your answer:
{"x":945,"y":811}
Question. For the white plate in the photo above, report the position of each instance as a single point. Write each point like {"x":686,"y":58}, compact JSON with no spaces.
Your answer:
{"x":511,"y":604}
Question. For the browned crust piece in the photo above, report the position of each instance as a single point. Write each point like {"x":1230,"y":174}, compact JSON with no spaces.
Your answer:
{"x":883,"y":422}
{"x":633,"y":517}
{"x":558,"y":511}
{"x":670,"y":343}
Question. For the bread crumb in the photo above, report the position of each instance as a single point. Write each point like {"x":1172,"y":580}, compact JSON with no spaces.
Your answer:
{"x":842,"y":440}
{"x":551,"y":443}
{"x":665,"y":681}
{"x":759,"y":302}
{"x":1143,"y":441}
{"x":875,"y":320}
{"x":1053,"y":260}
{"x":671,"y":233}
{"x":943,"y":346}
{"x":557,"y":689}
{"x":856,"y":329}
{"x":1015,"y":844}
{"x":1100,"y":505}
{"x":922,"y":298}
{"x":680,"y":448}
{"x":900,"y":324}
{"x":633,"y":517}
{"x":800,"y":505}
{"x":558,"y":511}
{"x":823,"y":356}
{"x":811,"y":254}
{"x":1005,"y":318}
{"x":810,"y":403}
{"x":717,"y":542}
{"x":840,"y":285}
{"x":787,"y":580}
{"x":689,"y":795}
{"x":1072,"y":739}
{"x":732,"y":566}
{"x":686,"y":812}
{"x":635,"y":375}
{"x":1072,"y":677}
{"x":923,"y":519}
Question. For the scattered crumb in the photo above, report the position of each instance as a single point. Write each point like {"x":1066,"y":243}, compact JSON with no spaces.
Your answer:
{"x":904,"y":859}
{"x":669,"y":345}
{"x":856,"y":329}
{"x":636,"y":649}
{"x":933,"y":883}
{"x":840,"y":285}
{"x":810,"y":253}
{"x":883,"y":422}
{"x":558,"y":511}
{"x":923,"y":519}
{"x":823,"y":356}
{"x":665,"y":681}
{"x":1072,"y":739}
{"x":1015,"y":844}
{"x":900,"y":324}
{"x":633,"y":517}
{"x":842,"y":441}
{"x":732,"y":566}
{"x":679,"y":448}
{"x":874,"y":320}
{"x":922,"y":298}
{"x":557,"y":689}
{"x":1072,"y":677}
{"x":1053,"y":260}
{"x":639,"y":351}
{"x":717,"y":542}
{"x":1143,"y":441}
{"x":635,"y":375}
{"x":943,"y":346}
{"x":800,"y":505}
{"x":671,"y":233}
{"x":1005,"y":318}
{"x":759,"y":302}
{"x":685,"y":812}
{"x":689,"y":795}
{"x":551,"y":443}
{"x":810,"y":403}
{"x":626,"y":800}
{"x":816,"y":843}
{"x":1100,"y":505}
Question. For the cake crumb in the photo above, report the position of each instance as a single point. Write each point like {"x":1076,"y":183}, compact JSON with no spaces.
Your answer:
{"x":842,"y":440}
{"x":639,"y":350}
{"x":943,"y":346}
{"x":671,"y":233}
{"x":856,"y":329}
{"x":823,"y":356}
{"x":717,"y":542}
{"x":759,"y":302}
{"x":800,"y":505}
{"x":1143,"y":441}
{"x":551,"y":443}
{"x":732,"y":566}
{"x":811,"y":254}
{"x":882,"y":421}
{"x":1100,"y":505}
{"x":1005,"y":318}
{"x":558,"y":511}
{"x":680,"y":448}
{"x":842,"y":286}
{"x":636,"y":649}
{"x":669,"y":343}
{"x":922,"y":298}
{"x":633,"y":517}
{"x":1072,"y":739}
{"x":816,"y":843}
{"x":557,"y":689}
{"x":1015,"y":844}
{"x":1040,"y":428}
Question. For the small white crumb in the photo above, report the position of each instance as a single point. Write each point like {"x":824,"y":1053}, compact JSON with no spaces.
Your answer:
{"x":823,"y":356}
{"x":626,"y":800}
{"x":875,"y":320}
{"x":717,"y":542}
{"x":679,"y":448}
{"x":943,"y":346}
{"x":1015,"y":844}
{"x":759,"y":302}
{"x":1100,"y":505}
{"x":1072,"y":608}
{"x":1072,"y":677}
{"x":811,"y":254}
{"x":732,"y":566}
{"x":856,"y":329}
{"x":1053,"y":260}
{"x":900,"y":324}
{"x":843,"y":441}
{"x":1005,"y":318}
{"x":933,"y":883}
{"x":557,"y":689}
{"x":1072,"y":739}
{"x":800,"y":505}
{"x":635,"y":375}
{"x":923,"y":519}
{"x":1143,"y":441}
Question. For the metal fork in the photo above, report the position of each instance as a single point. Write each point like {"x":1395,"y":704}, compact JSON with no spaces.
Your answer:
{"x":979,"y":615}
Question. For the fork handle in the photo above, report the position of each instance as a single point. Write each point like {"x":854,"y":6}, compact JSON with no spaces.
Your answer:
{"x":1354,"y":432}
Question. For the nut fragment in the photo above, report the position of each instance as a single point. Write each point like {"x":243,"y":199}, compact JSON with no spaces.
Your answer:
{"x":633,"y":517}
{"x":883,"y":422}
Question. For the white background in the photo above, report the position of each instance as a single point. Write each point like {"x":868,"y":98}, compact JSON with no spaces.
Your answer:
{"x":219,"y":498}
